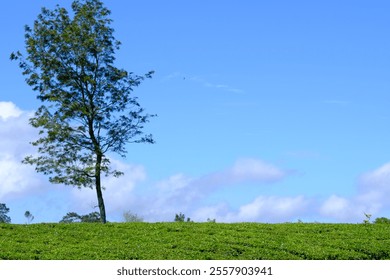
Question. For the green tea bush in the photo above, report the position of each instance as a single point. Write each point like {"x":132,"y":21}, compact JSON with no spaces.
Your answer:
{"x":194,"y":241}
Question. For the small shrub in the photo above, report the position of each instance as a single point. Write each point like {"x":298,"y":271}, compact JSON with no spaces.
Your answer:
{"x":382,"y":220}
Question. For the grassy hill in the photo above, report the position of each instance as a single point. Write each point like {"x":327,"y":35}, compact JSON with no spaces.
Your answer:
{"x":195,"y":241}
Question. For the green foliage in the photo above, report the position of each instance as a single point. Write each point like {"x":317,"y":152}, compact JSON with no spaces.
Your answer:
{"x":368,"y":218}
{"x":195,"y":241}
{"x":73,"y":217}
{"x":29,"y":216}
{"x":88,"y":108}
{"x":3,"y":214}
{"x":382,"y":220}
{"x":131,"y":218}
{"x":181,"y":218}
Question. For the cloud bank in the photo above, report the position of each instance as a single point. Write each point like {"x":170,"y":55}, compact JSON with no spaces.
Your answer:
{"x":15,"y":134}
{"x":21,"y":188}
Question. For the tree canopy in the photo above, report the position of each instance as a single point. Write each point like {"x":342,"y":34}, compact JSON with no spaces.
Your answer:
{"x":88,"y":108}
{"x":73,"y":217}
{"x":3,"y":214}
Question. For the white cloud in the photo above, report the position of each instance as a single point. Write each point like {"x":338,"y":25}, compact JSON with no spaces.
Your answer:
{"x":261,"y":209}
{"x":337,"y":207}
{"x":21,"y":188}
{"x":243,"y":171}
{"x":376,"y":184}
{"x":272,"y":208}
{"x":217,"y":212}
{"x":118,"y":194}
{"x":21,"y":185}
{"x":179,"y":189}
{"x":174,"y":183}
{"x":374,"y":189}
{"x":180,"y":193}
{"x":372,"y":197}
{"x":16,"y":178}
{"x":9,"y":110}
{"x":15,"y":134}
{"x":351,"y":209}
{"x":255,"y":170}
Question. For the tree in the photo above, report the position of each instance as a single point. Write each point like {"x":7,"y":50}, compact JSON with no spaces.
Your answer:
{"x":73,"y":217}
{"x":29,"y":216}
{"x":382,"y":220}
{"x":129,"y":217}
{"x":88,"y":108}
{"x":368,"y":220}
{"x":3,"y":214}
{"x":181,"y":218}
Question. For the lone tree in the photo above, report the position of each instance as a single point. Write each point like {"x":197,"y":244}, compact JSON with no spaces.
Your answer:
{"x":3,"y":214}
{"x":88,"y":108}
{"x":29,"y":216}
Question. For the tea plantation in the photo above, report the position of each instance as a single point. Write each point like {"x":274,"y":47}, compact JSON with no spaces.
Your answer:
{"x":194,"y":241}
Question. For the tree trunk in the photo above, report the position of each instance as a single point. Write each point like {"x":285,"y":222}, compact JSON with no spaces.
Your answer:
{"x":99,"y":189}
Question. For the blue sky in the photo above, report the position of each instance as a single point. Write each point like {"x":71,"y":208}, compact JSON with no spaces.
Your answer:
{"x":268,"y":111}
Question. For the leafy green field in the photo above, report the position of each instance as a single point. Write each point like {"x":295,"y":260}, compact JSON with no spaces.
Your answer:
{"x":148,"y":241}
